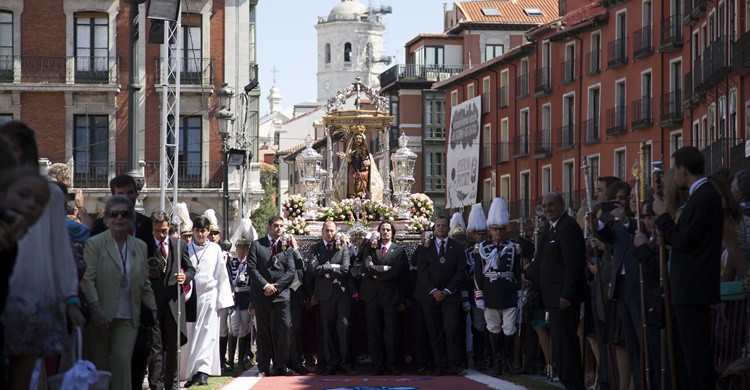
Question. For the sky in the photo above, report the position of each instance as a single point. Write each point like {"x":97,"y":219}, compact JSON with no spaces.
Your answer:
{"x":287,"y":40}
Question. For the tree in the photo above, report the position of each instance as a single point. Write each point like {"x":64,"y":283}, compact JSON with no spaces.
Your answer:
{"x":267,"y":207}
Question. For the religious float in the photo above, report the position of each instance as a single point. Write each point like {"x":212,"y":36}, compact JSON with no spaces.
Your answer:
{"x":360,"y":193}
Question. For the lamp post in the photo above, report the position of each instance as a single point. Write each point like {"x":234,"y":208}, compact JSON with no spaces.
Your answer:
{"x":403,"y":161}
{"x":224,"y":117}
{"x":311,"y":173}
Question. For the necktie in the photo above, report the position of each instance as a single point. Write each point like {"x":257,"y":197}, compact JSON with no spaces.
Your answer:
{"x":382,"y":252}
{"x":442,"y":249}
{"x":163,"y":250}
{"x":328,"y":251}
{"x":273,"y":249}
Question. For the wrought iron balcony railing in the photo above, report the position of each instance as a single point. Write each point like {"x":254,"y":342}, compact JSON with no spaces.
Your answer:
{"x":543,"y":85}
{"x":568,"y":71}
{"x":616,"y":123}
{"x":741,"y":54}
{"x":617,"y":52}
{"x":671,"y":108}
{"x":593,"y":62}
{"x":504,"y":94}
{"x":192,"y":174}
{"x":419,"y":73}
{"x":503,"y":152}
{"x":567,"y":136}
{"x":642,"y":42}
{"x":543,"y":142}
{"x":694,"y":9}
{"x":642,"y":113}
{"x":193,"y":71}
{"x":671,"y":33}
{"x":486,"y":103}
{"x":486,"y":155}
{"x":591,"y":127}
{"x":522,"y":145}
{"x":59,"y":70}
{"x":96,"y":174}
{"x":522,"y":86}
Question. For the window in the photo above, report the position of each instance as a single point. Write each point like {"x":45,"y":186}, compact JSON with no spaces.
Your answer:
{"x":434,"y":55}
{"x":91,"y":46}
{"x":505,"y":187}
{"x":568,"y":129}
{"x":570,"y":55}
{"x":347,"y":52}
{"x":675,"y":77}
{"x":546,"y":54}
{"x":504,"y":90}
{"x":622,"y":26}
{"x":454,"y":98}
{"x":328,"y":53}
{"x":190,"y":154}
{"x":5,"y":118}
{"x":525,"y":193}
{"x":486,"y":85}
{"x":492,"y":51}
{"x":434,"y":170}
{"x":711,"y":125}
{"x":646,"y":13}
{"x":703,"y":140}
{"x":733,"y":136}
{"x":533,"y":12}
{"x":487,"y":193}
{"x":91,"y":146}
{"x":620,"y":164}
{"x":696,"y":135}
{"x":594,"y":170}
{"x":695,"y":49}
{"x":394,"y":110}
{"x":647,"y":161}
{"x":504,"y":141}
{"x":592,"y":126}
{"x":569,"y":183}
{"x":546,"y":117}
{"x":675,"y":140}
{"x":546,"y":179}
{"x":646,"y":84}
{"x":711,"y":28}
{"x":192,"y":49}
{"x":486,"y":145}
{"x":470,"y":91}
{"x":6,"y":46}
{"x":524,"y":132}
{"x":596,"y":53}
{"x":490,"y":12}
{"x":434,"y":115}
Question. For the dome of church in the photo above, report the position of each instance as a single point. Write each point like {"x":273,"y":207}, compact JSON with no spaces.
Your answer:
{"x":347,"y":10}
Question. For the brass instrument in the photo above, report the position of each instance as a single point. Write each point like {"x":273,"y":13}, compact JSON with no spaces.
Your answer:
{"x":640,"y":188}
{"x":155,"y":267}
{"x":667,"y":343}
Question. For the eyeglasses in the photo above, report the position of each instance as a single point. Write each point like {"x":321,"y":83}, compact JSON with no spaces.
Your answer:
{"x":119,"y":213}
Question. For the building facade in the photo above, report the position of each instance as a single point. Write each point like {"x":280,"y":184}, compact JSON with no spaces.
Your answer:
{"x":475,"y":32}
{"x":603,"y":79}
{"x":65,"y":70}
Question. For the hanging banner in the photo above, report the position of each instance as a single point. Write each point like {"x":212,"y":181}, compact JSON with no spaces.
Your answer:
{"x":463,"y":153}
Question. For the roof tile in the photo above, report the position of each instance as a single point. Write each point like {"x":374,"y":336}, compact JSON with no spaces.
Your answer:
{"x":511,"y":11}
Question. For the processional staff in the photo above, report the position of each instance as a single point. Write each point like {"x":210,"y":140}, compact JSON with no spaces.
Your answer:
{"x":640,"y":189}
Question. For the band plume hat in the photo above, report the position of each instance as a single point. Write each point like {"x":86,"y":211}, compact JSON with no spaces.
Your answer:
{"x":457,"y":224}
{"x":498,"y":216}
{"x":477,"y":220}
{"x":181,"y":218}
{"x":245,"y":232}
{"x":210,"y":214}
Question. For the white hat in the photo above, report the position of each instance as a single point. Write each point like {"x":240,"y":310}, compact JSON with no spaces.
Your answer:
{"x":457,"y":224}
{"x":181,"y":218}
{"x":245,"y":233}
{"x":210,"y":214}
{"x":498,"y":215}
{"x":477,"y":220}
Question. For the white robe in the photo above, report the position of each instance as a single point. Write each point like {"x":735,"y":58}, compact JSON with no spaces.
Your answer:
{"x":211,"y":282}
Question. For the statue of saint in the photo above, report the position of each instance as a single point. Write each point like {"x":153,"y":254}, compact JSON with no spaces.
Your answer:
{"x":359,"y":176}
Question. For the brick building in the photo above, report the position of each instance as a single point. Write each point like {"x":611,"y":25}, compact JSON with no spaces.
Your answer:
{"x":64,"y":70}
{"x":599,"y":80}
{"x":474,"y":32}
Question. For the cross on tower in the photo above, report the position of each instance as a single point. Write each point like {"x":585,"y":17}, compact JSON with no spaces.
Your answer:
{"x":274,"y":71}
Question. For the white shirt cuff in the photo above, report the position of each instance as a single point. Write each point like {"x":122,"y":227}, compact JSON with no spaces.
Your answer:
{"x":433,"y":290}
{"x":266,"y":286}
{"x":447,"y":291}
{"x":599,"y":225}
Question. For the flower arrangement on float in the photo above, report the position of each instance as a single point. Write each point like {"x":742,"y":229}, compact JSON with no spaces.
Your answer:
{"x":376,"y":211}
{"x":421,"y":206}
{"x":417,"y":225}
{"x":296,"y":225}
{"x":338,"y":211}
{"x":295,"y":206}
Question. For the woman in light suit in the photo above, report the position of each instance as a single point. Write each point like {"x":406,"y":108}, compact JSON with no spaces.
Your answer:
{"x":115,"y":284}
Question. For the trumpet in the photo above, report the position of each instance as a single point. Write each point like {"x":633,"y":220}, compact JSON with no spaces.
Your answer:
{"x":155,"y":267}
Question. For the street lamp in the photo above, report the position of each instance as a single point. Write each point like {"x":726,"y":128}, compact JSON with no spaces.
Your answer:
{"x":225,"y":118}
{"x":403,"y":161}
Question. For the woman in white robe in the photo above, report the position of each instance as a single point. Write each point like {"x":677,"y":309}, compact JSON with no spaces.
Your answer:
{"x":200,"y":356}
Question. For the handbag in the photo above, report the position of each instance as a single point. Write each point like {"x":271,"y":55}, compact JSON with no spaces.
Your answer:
{"x":83,"y":375}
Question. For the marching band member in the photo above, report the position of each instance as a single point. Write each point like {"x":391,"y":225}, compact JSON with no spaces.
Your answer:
{"x":241,"y":330}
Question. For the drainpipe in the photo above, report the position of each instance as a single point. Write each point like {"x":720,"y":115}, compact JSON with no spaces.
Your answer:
{"x":497,"y":128}
{"x":581,"y":138}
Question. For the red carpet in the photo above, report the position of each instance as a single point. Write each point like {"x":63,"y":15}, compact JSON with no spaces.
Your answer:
{"x":365,"y":382}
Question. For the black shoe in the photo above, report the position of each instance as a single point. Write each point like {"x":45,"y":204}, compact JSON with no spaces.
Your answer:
{"x":283,"y":371}
{"x":301,"y":369}
{"x":262,"y":374}
{"x":456,"y":372}
{"x":202,"y":379}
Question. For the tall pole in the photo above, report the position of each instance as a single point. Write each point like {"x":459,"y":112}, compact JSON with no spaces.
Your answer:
{"x":133,"y":88}
{"x":225,"y":203}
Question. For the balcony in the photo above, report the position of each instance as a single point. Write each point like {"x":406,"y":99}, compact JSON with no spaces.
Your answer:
{"x":486,"y":103}
{"x":522,"y":86}
{"x":519,"y":209}
{"x":642,"y":43}
{"x":593,"y":62}
{"x":715,"y":62}
{"x":568,"y":71}
{"x":522,"y":145}
{"x":671,"y":109}
{"x":57,"y":71}
{"x":543,"y":85}
{"x":486,"y":155}
{"x":504,"y":94}
{"x":715,"y":156}
{"x":616,"y":123}
{"x":411,"y":73}
{"x":96,"y":174}
{"x":688,"y":88}
{"x":694,"y":9}
{"x":741,"y":55}
{"x":194,"y":175}
{"x":698,"y":89}
{"x":503,"y":152}
{"x":642,"y":113}
{"x":617,"y":53}
{"x":567,"y":136}
{"x":543,"y":143}
{"x":573,"y":199}
{"x":671,"y":34}
{"x":193,"y":71}
{"x":591,"y":127}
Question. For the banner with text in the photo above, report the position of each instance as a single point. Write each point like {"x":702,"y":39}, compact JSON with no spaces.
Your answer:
{"x":463,"y":153}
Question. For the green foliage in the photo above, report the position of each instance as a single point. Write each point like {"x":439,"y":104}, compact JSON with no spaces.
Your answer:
{"x":267,"y":207}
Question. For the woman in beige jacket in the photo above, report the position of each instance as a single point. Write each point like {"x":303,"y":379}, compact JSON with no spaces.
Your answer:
{"x":115,"y":284}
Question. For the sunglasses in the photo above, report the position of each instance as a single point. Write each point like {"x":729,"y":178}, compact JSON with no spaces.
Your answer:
{"x":119,"y":213}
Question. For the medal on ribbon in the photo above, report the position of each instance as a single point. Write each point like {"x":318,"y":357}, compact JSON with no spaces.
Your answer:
{"x":442,"y":260}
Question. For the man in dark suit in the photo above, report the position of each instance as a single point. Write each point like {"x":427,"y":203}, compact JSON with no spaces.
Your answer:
{"x":124,"y":184}
{"x":382,"y":291}
{"x":297,"y":299}
{"x":271,"y":267}
{"x":164,"y":280}
{"x":562,"y":259}
{"x":330,"y":268}
{"x":694,"y":263}
{"x":441,"y":270}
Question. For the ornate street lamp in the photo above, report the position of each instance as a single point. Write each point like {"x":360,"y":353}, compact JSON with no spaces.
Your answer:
{"x":309,"y":168}
{"x":225,"y":118}
{"x":403,"y":162}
